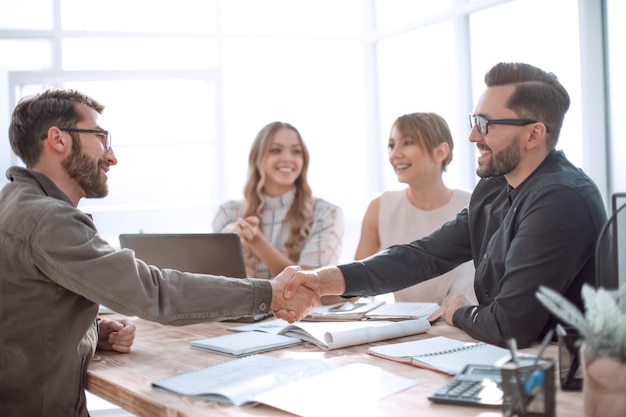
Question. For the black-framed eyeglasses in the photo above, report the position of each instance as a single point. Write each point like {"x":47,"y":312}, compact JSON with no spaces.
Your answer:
{"x":483,"y":124}
{"x":103,"y":135}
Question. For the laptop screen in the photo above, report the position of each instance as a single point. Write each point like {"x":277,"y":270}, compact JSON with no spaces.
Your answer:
{"x":211,"y":253}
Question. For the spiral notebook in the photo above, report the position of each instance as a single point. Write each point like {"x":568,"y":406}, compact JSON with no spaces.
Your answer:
{"x":443,"y":354}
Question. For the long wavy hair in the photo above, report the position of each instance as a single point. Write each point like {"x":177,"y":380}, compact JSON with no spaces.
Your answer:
{"x":300,"y":214}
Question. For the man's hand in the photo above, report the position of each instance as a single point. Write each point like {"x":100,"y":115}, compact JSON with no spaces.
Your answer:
{"x":452,"y":304}
{"x":326,"y":280}
{"x":301,"y":302}
{"x":305,"y":278}
{"x":117,"y":335}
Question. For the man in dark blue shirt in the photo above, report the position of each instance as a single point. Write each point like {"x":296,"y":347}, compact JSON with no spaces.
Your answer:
{"x":533,"y":219}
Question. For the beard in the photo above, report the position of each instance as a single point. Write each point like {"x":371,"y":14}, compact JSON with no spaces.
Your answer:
{"x":502,"y":162}
{"x":85,"y":171}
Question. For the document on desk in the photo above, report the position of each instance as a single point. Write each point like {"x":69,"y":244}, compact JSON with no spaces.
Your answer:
{"x":336,"y":335}
{"x":348,"y":311}
{"x":293,"y":385}
{"x":443,"y":354}
{"x":244,"y":343}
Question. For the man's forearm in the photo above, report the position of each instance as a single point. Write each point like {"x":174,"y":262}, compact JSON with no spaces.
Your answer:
{"x":331,"y":281}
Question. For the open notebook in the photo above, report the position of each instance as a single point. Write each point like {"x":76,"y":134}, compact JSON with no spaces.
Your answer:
{"x":208,"y":253}
{"x":443,"y":354}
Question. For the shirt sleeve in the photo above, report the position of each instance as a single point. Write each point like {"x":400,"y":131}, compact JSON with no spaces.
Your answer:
{"x":226,"y":214}
{"x":67,"y":250}
{"x":547,"y":242}
{"x":401,"y":266}
{"x":323,"y":246}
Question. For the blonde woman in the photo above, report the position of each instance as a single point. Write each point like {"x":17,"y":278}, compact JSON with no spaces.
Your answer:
{"x":279,"y":221}
{"x":420,"y":148}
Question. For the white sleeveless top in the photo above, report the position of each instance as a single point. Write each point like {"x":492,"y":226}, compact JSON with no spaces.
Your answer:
{"x":401,"y":222}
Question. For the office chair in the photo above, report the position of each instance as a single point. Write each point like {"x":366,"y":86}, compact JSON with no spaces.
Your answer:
{"x":611,"y":250}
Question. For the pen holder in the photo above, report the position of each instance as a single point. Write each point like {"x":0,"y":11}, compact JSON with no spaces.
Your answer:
{"x":570,"y":371}
{"x":528,"y":389}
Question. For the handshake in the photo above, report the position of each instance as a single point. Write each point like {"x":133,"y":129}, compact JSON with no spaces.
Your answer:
{"x":295,"y":292}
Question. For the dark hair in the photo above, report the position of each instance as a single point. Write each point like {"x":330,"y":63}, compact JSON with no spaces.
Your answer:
{"x":538,"y":95}
{"x":429,"y":130}
{"x":33,"y":116}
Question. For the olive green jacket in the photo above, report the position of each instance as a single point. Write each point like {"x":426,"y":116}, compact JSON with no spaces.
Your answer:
{"x":54,"y":272}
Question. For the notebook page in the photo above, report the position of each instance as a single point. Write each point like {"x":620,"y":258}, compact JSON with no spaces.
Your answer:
{"x":454,"y":360}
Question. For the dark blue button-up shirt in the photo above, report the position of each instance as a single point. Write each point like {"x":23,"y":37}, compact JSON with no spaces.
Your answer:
{"x":541,"y":233}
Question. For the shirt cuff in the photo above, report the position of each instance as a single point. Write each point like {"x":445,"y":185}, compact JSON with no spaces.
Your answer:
{"x":262,"y":299}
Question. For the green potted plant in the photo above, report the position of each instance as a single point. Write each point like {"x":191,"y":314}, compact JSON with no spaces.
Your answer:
{"x":602,"y":327}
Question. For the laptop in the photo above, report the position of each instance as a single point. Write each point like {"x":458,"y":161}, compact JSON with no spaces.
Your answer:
{"x":209,"y":253}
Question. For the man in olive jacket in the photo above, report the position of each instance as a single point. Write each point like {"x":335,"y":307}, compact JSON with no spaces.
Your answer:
{"x":55,"y":269}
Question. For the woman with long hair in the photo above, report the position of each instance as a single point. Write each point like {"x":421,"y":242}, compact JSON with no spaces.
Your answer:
{"x":279,"y":221}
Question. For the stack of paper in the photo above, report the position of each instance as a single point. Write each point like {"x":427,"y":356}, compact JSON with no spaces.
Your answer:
{"x":295,"y":386}
{"x":375,"y":311}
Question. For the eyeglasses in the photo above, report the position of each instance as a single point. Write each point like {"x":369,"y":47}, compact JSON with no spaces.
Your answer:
{"x":103,"y":135}
{"x":483,"y":124}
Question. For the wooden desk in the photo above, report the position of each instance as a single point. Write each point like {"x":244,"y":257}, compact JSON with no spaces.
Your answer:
{"x":163,"y":351}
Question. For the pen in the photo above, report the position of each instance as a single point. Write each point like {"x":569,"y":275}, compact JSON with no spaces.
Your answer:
{"x":544,"y":345}
{"x":535,"y":377}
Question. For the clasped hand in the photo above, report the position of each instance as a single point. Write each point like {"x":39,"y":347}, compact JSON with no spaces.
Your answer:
{"x":247,"y":228}
{"x":117,"y":335}
{"x":296,"y":302}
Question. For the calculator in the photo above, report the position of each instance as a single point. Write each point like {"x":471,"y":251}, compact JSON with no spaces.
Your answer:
{"x":479,"y":385}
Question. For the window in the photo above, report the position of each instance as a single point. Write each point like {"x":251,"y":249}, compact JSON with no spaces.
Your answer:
{"x":617,"y":85}
{"x":188,"y":84}
{"x":515,"y":43}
